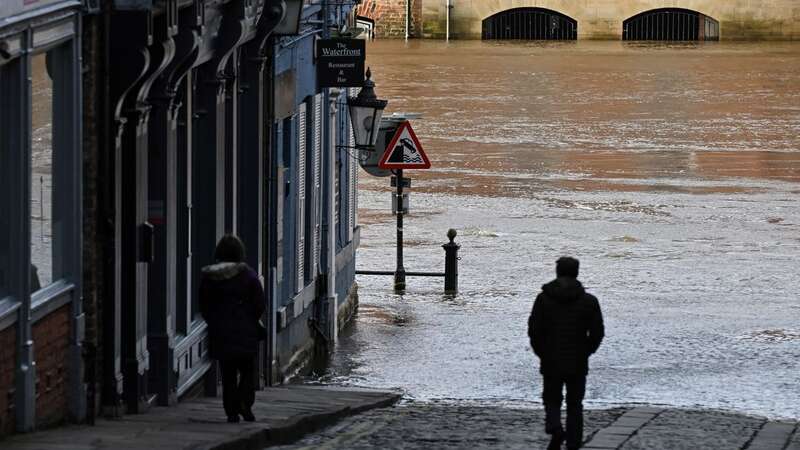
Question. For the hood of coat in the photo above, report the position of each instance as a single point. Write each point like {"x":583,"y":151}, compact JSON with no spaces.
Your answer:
{"x":564,"y":289}
{"x":224,"y":270}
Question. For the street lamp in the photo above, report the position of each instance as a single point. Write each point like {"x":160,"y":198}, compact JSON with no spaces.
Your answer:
{"x":366,"y":110}
{"x":290,"y":25}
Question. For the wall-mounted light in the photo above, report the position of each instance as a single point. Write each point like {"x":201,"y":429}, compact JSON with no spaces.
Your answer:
{"x":366,"y":110}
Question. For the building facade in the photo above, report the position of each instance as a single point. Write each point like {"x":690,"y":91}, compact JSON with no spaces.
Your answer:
{"x":394,"y":18}
{"x":135,"y":134}
{"x":595,"y":19}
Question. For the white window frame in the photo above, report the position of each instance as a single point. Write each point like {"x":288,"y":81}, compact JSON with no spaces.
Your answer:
{"x":352,"y":198}
{"x":316,"y":245}
{"x":300,"y":196}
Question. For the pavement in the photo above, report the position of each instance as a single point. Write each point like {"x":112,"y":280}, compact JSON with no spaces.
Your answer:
{"x":284,"y":414}
{"x":301,"y":417}
{"x":451,"y":426}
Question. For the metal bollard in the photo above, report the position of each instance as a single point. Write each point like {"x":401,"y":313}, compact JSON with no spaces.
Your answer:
{"x":451,"y":263}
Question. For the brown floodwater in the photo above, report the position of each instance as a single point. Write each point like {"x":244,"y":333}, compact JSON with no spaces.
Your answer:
{"x":671,"y":170}
{"x":607,"y":112}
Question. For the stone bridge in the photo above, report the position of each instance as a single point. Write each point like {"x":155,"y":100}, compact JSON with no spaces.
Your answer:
{"x":597,"y":19}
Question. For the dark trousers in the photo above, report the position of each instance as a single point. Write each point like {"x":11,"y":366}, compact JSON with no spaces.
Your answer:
{"x":552,"y":397}
{"x":238,"y":394}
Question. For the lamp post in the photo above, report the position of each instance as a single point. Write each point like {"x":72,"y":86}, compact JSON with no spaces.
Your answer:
{"x":366,"y":111}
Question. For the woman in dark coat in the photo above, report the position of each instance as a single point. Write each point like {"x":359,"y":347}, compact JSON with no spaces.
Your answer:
{"x":232,"y":302}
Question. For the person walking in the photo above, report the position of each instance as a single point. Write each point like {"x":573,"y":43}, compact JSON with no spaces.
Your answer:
{"x":565,"y":327}
{"x":232,"y":303}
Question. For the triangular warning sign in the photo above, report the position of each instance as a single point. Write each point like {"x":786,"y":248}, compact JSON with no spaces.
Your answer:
{"x":405,"y":151}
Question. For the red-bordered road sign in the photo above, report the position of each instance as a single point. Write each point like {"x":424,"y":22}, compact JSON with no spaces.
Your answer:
{"x":405,"y":151}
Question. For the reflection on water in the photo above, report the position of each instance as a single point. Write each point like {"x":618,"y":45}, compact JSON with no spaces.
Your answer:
{"x":671,"y":171}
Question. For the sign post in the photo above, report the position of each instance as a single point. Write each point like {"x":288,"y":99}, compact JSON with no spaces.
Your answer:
{"x":403,"y":152}
{"x":400,"y":271}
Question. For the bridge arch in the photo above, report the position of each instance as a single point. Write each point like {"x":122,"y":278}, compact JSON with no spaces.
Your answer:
{"x":529,"y":23}
{"x":670,"y":24}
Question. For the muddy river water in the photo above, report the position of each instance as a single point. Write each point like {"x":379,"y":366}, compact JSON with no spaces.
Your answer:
{"x":671,"y":171}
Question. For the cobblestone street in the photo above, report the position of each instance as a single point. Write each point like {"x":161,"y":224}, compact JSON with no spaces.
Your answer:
{"x":442,"y":426}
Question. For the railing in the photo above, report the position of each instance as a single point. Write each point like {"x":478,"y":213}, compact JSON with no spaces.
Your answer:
{"x":530,"y":24}
{"x":671,"y":24}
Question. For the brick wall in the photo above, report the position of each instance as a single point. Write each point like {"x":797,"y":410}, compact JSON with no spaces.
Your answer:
{"x":51,"y":350}
{"x":8,"y":359}
{"x":390,"y":17}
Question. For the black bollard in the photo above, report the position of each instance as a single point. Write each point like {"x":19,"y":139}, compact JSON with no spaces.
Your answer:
{"x":451,"y":264}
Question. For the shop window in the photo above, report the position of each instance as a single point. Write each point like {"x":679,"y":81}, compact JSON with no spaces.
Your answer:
{"x":53,"y":170}
{"x":41,"y":199}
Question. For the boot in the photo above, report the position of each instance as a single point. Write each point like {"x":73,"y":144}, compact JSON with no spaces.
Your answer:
{"x":247,"y":415}
{"x":556,"y":440}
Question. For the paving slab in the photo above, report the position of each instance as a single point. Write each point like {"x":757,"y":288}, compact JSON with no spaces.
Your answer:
{"x":283,"y":414}
{"x":646,"y":410}
{"x":678,"y":429}
{"x":633,"y":422}
{"x":618,"y":430}
{"x":628,"y":424}
{"x":773,"y":435}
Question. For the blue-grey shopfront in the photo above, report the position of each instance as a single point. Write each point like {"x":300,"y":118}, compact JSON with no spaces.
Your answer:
{"x":135,"y":134}
{"x":310,"y":122}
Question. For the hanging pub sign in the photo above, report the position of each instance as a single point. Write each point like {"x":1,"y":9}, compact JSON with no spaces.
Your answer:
{"x":340,"y":62}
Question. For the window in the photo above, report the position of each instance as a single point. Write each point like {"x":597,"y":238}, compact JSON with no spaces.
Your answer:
{"x":316,"y":186}
{"x":301,"y":198}
{"x":352,"y":201}
{"x":338,"y":186}
{"x":53,"y":171}
{"x":43,"y":223}
{"x":40,"y":164}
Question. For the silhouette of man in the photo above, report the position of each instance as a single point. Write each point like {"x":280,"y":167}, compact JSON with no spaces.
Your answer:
{"x":565,"y":327}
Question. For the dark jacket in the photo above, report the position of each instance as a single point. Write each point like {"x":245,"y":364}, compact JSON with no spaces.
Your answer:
{"x":231,"y":302}
{"x":565,"y":327}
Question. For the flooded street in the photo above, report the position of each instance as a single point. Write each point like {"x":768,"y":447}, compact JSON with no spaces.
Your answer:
{"x":671,"y":171}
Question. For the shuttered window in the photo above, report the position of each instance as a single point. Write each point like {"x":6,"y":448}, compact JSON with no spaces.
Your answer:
{"x":337,"y":174}
{"x":301,"y":196}
{"x":352,"y":200}
{"x":317,"y":186}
